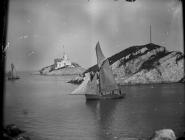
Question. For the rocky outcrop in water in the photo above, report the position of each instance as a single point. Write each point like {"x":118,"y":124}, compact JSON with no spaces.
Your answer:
{"x":12,"y":132}
{"x":74,"y":70}
{"x":77,"y":80}
{"x":164,"y":134}
{"x":182,"y":80}
{"x":146,"y":64}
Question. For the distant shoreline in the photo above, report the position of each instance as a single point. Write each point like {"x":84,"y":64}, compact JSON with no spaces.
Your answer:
{"x":141,"y":84}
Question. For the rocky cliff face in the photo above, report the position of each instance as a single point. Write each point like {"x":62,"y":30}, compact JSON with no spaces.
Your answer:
{"x":75,"y":70}
{"x":146,"y":64}
{"x":149,"y":64}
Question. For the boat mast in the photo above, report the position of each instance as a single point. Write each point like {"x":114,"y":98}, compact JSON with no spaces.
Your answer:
{"x":99,"y":82}
{"x":100,"y":58}
{"x":150,"y":33}
{"x":12,"y":67}
{"x":64,"y":51}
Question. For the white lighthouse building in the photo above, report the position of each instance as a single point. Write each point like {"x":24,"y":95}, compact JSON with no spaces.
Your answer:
{"x":62,"y":62}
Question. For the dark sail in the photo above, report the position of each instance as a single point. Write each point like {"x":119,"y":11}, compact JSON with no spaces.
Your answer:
{"x":99,"y":55}
{"x":107,"y":81}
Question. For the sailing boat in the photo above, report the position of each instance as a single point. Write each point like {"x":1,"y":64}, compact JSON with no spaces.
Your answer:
{"x":12,"y":75}
{"x":102,"y":85}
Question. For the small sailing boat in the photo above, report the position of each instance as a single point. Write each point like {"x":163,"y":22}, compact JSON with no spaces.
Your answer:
{"x":102,"y":85}
{"x":12,"y":74}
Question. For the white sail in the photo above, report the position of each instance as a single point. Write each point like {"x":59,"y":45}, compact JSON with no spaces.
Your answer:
{"x":81,"y":89}
{"x":92,"y":86}
{"x":87,"y":86}
{"x":14,"y":74}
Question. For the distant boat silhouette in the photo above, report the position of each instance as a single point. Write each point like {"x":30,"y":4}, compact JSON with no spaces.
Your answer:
{"x":100,"y":85}
{"x":12,"y":74}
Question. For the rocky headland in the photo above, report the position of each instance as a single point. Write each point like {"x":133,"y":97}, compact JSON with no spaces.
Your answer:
{"x":146,"y":64}
{"x":74,"y":69}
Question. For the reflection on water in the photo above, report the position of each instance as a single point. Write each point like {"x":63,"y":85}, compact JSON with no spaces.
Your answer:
{"x":103,"y":112}
{"x":43,"y":107}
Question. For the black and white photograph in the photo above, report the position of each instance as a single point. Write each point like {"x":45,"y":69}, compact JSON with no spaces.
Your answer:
{"x":93,"y":70}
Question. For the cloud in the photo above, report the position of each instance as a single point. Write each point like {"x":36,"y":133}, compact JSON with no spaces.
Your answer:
{"x":96,"y":9}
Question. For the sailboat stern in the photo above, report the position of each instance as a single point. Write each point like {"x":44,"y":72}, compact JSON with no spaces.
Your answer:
{"x":103,"y":97}
{"x":115,"y":94}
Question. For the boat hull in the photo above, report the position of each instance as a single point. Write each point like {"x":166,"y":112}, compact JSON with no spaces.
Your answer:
{"x":13,"y":78}
{"x":107,"y":96}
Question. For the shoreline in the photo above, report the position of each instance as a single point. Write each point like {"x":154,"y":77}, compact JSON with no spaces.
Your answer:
{"x":12,"y":132}
{"x":159,"y":83}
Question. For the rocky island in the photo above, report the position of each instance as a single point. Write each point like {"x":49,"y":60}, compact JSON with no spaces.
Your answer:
{"x":62,"y":66}
{"x":146,"y":64}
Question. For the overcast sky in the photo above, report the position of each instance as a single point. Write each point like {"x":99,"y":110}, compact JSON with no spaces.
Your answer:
{"x":37,"y":29}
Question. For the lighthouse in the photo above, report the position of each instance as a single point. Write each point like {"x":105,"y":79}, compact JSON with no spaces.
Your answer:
{"x":62,"y":62}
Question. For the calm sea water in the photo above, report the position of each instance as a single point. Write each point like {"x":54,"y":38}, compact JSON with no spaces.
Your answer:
{"x":42,"y":106}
